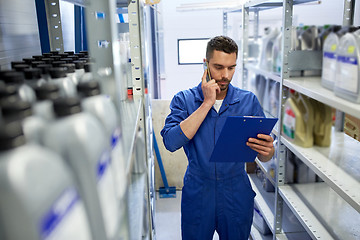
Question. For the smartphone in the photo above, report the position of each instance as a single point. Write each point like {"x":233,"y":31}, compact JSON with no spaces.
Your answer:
{"x":206,"y":68}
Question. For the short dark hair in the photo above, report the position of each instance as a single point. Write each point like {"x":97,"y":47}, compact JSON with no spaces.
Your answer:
{"x":221,"y":43}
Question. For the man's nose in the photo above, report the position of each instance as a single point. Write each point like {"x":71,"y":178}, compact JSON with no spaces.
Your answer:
{"x":225,"y":73}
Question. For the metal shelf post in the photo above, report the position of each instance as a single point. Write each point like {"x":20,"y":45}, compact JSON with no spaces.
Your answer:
{"x":54,"y":25}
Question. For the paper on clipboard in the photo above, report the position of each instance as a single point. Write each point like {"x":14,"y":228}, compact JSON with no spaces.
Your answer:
{"x":231,"y":144}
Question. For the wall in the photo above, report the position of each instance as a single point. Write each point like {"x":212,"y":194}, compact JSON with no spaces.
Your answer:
{"x":193,"y":24}
{"x":19,"y":34}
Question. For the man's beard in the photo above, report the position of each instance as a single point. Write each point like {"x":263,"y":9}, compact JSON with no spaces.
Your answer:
{"x":223,"y":87}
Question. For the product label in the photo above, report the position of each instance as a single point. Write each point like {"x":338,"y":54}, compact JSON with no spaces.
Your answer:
{"x":348,"y":74}
{"x":351,"y":49}
{"x":107,"y":196}
{"x":329,"y":66}
{"x":115,"y":137}
{"x":66,"y":219}
{"x":289,"y":122}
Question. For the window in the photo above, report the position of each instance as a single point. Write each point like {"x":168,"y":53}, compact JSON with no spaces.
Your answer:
{"x":192,"y":51}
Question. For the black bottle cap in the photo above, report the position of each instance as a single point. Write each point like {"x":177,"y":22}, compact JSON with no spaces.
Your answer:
{"x":15,"y":110}
{"x":17,"y":63}
{"x":88,"y":66}
{"x":8,"y":91}
{"x":11,"y":135}
{"x":44,"y":68}
{"x":88,"y":89}
{"x":57,"y":63}
{"x":38,"y":57}
{"x":47,"y":60}
{"x":36,"y":63}
{"x":47,"y":55}
{"x":70,"y":67}
{"x":67,"y":60}
{"x":63,"y":55}
{"x":47,"y":91}
{"x":28,"y":60}
{"x":32,"y":73}
{"x":70,"y":53}
{"x":55,"y":57}
{"x":74,"y":58}
{"x":80,"y":55}
{"x":4,"y":72}
{"x":79,"y":64}
{"x":58,"y":72}
{"x":14,"y":77}
{"x":21,"y":67}
{"x":67,"y":106}
{"x":54,"y":53}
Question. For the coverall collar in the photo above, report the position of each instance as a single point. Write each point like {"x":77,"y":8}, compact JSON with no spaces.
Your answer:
{"x":228,"y":100}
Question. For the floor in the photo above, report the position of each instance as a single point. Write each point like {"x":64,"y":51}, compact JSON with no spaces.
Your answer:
{"x":167,"y":218}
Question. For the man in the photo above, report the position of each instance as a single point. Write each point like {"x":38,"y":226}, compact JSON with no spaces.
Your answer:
{"x":216,"y":196}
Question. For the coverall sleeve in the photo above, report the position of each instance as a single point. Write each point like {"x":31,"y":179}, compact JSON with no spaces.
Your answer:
{"x":173,"y":137}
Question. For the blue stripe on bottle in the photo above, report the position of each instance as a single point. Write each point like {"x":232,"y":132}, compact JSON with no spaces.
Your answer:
{"x":58,"y":211}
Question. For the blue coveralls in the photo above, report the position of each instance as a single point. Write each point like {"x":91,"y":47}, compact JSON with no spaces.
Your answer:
{"x":215,"y":196}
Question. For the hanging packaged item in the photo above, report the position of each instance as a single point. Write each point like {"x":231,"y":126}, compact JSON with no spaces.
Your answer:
{"x":308,"y":42}
{"x":347,"y":82}
{"x":265,"y":62}
{"x":274,"y":98}
{"x":322,"y":124}
{"x":298,"y":120}
{"x":260,"y":87}
{"x":276,"y":63}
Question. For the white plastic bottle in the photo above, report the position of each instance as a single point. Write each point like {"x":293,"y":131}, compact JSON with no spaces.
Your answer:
{"x":19,"y":110}
{"x":70,"y":72}
{"x":45,"y":95}
{"x":88,"y":76}
{"x":101,"y":107}
{"x":79,"y":69}
{"x":26,"y":93}
{"x":79,"y":138}
{"x":38,"y":197}
{"x":33,"y":77}
{"x":329,"y":66}
{"x":66,"y":85}
{"x":347,"y":82}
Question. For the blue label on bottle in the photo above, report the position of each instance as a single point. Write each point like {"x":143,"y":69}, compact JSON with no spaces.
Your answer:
{"x":115,"y":138}
{"x":346,"y":59}
{"x":331,"y":55}
{"x":58,"y":211}
{"x":103,"y":164}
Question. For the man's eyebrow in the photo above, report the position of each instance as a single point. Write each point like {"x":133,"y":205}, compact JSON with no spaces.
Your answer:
{"x":219,"y":65}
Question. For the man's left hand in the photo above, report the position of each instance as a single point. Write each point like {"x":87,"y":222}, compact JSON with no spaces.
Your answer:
{"x":263,"y":144}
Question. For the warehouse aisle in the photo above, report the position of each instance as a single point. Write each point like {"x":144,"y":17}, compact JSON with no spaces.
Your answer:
{"x":168,"y":219}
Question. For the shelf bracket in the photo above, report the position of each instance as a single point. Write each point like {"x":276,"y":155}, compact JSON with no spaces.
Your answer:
{"x":54,"y":25}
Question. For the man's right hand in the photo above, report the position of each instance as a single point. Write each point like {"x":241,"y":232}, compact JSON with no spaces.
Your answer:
{"x":209,"y":90}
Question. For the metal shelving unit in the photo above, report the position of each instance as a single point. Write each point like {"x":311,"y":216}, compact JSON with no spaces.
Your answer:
{"x":311,"y":87}
{"x":329,"y":209}
{"x":137,"y":201}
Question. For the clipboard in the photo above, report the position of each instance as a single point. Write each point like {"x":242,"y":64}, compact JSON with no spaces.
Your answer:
{"x":231,"y":144}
